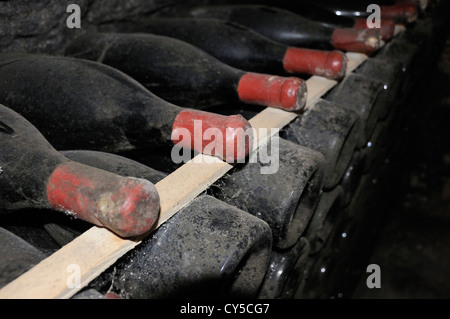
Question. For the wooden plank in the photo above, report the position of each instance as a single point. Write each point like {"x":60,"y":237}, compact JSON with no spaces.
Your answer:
{"x":354,"y":60}
{"x":95,"y":250}
{"x":399,"y":28}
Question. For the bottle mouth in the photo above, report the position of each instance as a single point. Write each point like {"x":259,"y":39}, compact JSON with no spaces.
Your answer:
{"x":127,"y":206}
{"x":286,"y":93}
{"x":357,"y":40}
{"x":131,"y":205}
{"x":329,"y":64}
{"x":403,"y":12}
{"x":387,"y":27}
{"x":229,"y":138}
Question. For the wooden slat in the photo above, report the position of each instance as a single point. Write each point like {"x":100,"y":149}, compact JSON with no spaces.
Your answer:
{"x":97,"y":249}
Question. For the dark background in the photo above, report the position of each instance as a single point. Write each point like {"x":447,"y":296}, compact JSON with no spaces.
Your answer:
{"x":413,"y":247}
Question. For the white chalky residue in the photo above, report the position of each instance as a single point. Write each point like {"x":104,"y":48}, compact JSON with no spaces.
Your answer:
{"x":71,"y":214}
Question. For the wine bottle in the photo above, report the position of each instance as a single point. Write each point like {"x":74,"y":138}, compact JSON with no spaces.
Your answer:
{"x":351,"y":178}
{"x":286,"y":272}
{"x":277,"y":24}
{"x":240,"y":47}
{"x":405,"y":12}
{"x":326,"y":268}
{"x":80,"y":104}
{"x":408,"y":55}
{"x":331,"y":130}
{"x":165,"y":65}
{"x":285,"y":198}
{"x":363,"y":95}
{"x":381,"y":148}
{"x":207,"y":249}
{"x":402,"y":11}
{"x":324,"y":218}
{"x":308,"y":10}
{"x":347,"y":8}
{"x":322,"y":15}
{"x":34,"y":175}
{"x":251,"y":52}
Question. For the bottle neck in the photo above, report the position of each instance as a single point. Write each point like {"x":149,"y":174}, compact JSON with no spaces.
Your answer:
{"x":149,"y":121}
{"x":317,"y":13}
{"x":357,"y":40}
{"x":294,"y":29}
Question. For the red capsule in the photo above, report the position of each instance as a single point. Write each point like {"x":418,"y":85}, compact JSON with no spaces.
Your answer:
{"x":287,"y":93}
{"x":357,"y":40}
{"x":401,"y":12}
{"x":128,"y":206}
{"x":387,"y":27}
{"x":227,"y":137}
{"x":329,"y":64}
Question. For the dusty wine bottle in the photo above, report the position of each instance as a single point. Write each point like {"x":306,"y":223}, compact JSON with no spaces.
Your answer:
{"x":422,"y":4}
{"x":282,"y":3}
{"x":406,"y":12}
{"x":391,"y":74}
{"x":324,"y":218}
{"x":243,"y":48}
{"x":165,"y":65}
{"x":286,"y":198}
{"x":331,"y":130}
{"x":315,"y":12}
{"x":80,"y":104}
{"x":363,"y":95}
{"x":63,"y":230}
{"x":305,"y":9}
{"x":207,"y":249}
{"x":34,"y":175}
{"x":308,"y":10}
{"x":288,"y":28}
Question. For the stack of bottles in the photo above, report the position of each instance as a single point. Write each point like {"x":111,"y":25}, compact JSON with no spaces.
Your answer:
{"x":79,"y":135}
